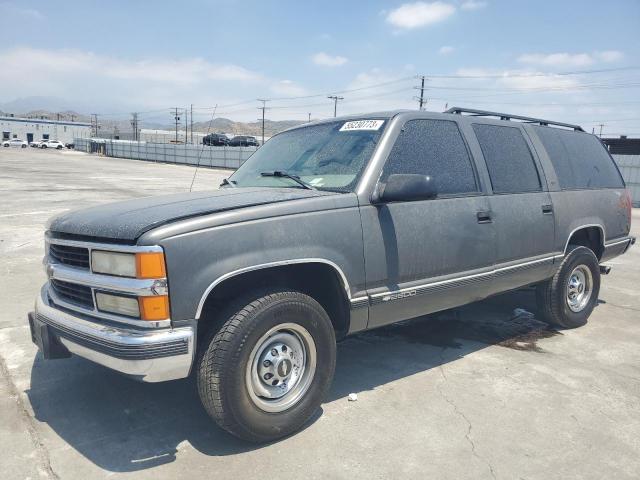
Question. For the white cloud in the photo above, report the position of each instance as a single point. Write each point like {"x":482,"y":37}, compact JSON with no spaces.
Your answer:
{"x":419,"y":14}
{"x":10,"y":10}
{"x":557,"y":59}
{"x":446,"y":50}
{"x":473,"y":5}
{"x":564,"y":59}
{"x":327,"y":60}
{"x":609,"y":56}
{"x":288,"y":88}
{"x":107,"y":83}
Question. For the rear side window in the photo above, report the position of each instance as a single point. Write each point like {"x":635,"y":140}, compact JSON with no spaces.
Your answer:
{"x":435,"y":148}
{"x":579,"y":159}
{"x":509,"y":161}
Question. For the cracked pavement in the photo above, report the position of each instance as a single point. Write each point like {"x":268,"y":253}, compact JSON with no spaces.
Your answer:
{"x":471,"y":394}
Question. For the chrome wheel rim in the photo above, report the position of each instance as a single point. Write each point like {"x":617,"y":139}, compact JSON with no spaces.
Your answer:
{"x":579,"y":288}
{"x":281,"y":367}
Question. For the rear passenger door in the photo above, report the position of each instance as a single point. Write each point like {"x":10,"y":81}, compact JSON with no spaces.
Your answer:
{"x":428,"y":255}
{"x":521,"y":207}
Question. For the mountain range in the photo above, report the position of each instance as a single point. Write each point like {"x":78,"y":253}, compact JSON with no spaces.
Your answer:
{"x":52,"y":108}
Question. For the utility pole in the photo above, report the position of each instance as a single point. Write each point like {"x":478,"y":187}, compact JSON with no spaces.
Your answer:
{"x":335,"y":99}
{"x":186,"y":124}
{"x":309,"y":117}
{"x":263,"y":108}
{"x":601,"y":125}
{"x":192,"y":123}
{"x":177,"y":120}
{"x":134,"y":126}
{"x":421,"y":100}
{"x":94,"y":122}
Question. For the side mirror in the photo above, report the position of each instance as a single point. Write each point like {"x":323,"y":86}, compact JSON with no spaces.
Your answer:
{"x":408,"y":188}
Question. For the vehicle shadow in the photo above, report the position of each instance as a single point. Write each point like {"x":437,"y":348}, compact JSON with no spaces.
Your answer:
{"x":125,"y":426}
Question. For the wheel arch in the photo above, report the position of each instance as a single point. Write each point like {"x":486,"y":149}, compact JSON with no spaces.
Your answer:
{"x":591,"y":236}
{"x":321,"y":279}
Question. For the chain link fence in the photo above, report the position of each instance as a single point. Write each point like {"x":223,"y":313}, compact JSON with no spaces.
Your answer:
{"x":184,"y":154}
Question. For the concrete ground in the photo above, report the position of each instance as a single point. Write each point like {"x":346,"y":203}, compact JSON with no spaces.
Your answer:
{"x":483,"y":392}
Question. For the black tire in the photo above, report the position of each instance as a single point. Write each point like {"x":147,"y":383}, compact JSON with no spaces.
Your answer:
{"x":224,"y":356}
{"x":552,"y":295}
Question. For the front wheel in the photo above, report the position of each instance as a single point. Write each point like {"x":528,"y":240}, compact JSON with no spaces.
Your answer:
{"x":266,"y":371}
{"x":567,"y":299}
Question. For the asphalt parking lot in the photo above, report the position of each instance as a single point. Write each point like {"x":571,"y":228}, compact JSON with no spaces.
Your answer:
{"x":486,"y":391}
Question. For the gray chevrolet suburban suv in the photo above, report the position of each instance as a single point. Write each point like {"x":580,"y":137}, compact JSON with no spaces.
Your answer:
{"x":328,"y":229}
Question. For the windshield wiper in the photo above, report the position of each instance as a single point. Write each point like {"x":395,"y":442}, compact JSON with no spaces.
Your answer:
{"x":295,"y":178}
{"x":226,"y":181}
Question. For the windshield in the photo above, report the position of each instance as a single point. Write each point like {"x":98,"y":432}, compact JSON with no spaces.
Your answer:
{"x":328,"y":156}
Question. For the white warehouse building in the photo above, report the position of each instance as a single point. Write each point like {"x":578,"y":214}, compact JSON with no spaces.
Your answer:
{"x":32,"y":129}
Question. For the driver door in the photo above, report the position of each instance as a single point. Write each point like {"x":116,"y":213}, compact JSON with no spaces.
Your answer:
{"x":428,"y":255}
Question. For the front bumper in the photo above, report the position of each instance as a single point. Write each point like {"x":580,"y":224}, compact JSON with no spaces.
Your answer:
{"x":149,"y":356}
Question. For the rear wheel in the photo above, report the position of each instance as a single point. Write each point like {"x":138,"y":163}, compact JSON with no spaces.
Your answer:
{"x":266,"y":371}
{"x":567,"y":299}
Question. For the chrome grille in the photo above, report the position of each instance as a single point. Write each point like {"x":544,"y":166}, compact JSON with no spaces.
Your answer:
{"x":69,"y":255}
{"x":73,"y":293}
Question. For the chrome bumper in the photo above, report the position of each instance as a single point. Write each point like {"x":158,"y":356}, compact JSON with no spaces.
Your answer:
{"x":150,"y":356}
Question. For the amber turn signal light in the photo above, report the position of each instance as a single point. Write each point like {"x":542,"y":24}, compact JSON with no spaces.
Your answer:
{"x":150,"y":265}
{"x":154,"y":308}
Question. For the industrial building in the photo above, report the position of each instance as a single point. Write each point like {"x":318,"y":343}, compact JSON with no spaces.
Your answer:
{"x":32,"y":129}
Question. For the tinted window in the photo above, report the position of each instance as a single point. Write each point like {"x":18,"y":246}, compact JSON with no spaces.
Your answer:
{"x":579,"y":159}
{"x":511,"y":166}
{"x":435,"y":148}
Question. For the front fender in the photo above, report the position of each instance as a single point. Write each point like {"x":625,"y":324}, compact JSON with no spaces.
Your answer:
{"x":200,"y":260}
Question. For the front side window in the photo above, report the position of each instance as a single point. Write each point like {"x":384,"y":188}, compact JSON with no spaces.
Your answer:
{"x":435,"y":148}
{"x":327,"y":156}
{"x":508,"y":158}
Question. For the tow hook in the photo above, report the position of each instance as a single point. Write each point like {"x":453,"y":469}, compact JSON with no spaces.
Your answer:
{"x":605,"y":269}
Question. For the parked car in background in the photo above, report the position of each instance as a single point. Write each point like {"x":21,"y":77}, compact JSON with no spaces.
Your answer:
{"x":329,"y":229}
{"x":15,"y":142}
{"x":52,"y":144}
{"x":243,"y":141}
{"x":70,"y":145}
{"x":215,"y":140}
{"x":35,"y":143}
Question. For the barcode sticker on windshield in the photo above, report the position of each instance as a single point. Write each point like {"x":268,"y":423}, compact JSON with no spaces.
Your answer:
{"x":361,"y":125}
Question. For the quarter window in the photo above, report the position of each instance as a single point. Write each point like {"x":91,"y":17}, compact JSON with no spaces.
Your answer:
{"x":579,"y":159}
{"x":508,"y":158}
{"x":435,"y":148}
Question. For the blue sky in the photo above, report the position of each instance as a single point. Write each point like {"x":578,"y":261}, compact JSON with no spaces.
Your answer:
{"x":122,"y":56}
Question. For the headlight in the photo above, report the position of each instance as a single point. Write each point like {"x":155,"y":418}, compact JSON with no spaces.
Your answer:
{"x":138,"y":265}
{"x":112,"y":263}
{"x":118,"y":304}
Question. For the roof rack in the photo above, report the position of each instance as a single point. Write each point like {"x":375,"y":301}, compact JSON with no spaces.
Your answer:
{"x":508,"y":116}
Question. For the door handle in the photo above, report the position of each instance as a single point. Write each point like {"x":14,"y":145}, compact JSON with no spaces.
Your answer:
{"x":484,"y":217}
{"x":547,"y":209}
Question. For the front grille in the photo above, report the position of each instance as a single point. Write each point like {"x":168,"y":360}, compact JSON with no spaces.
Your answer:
{"x":73,"y":293}
{"x":68,"y":255}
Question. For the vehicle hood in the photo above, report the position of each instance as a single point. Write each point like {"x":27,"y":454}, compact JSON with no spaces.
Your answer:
{"x":128,"y":220}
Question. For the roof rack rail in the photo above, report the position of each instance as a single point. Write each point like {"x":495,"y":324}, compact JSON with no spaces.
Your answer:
{"x":508,"y":116}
